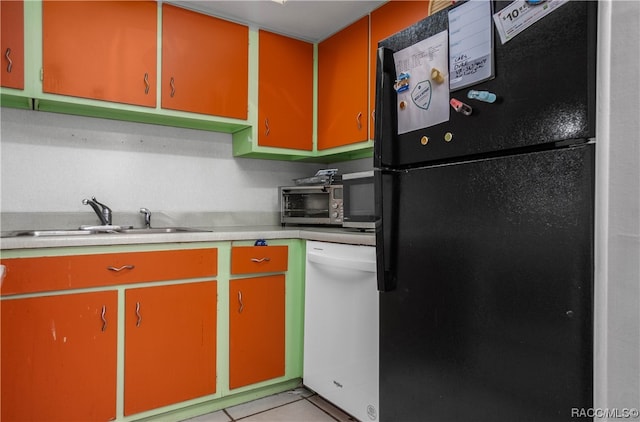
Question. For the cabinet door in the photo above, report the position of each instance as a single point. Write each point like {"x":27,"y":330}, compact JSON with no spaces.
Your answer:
{"x":104,"y":50}
{"x":386,"y":21}
{"x":256,"y":329}
{"x":59,"y":357}
{"x":285,"y":92}
{"x":12,"y":43}
{"x":205,"y":64}
{"x":342,"y":86}
{"x":170,"y":344}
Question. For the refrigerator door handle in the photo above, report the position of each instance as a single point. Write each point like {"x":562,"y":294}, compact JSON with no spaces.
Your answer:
{"x":386,"y":122}
{"x":386,"y":230}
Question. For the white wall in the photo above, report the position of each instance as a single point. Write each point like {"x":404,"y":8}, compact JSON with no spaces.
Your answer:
{"x":617,"y":283}
{"x":50,"y":162}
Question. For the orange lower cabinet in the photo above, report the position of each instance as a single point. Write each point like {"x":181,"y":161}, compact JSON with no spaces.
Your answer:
{"x":170,"y":344}
{"x":59,"y":357}
{"x":256,"y":329}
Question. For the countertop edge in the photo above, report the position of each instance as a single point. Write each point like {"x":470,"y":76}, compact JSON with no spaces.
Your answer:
{"x":218,"y":234}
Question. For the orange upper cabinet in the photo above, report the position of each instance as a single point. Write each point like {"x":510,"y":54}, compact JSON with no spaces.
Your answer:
{"x":104,"y":50}
{"x":342,"y":86}
{"x":285,"y":92}
{"x":170,"y":344}
{"x":388,"y":19}
{"x":205,"y":64}
{"x":12,"y":42}
{"x":59,"y":357}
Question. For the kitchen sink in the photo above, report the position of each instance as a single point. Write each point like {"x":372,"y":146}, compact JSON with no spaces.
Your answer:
{"x":101,"y":230}
{"x":162,"y":230}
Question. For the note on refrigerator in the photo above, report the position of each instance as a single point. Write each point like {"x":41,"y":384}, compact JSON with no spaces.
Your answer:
{"x":520,"y":15}
{"x":423,"y":83}
{"x":470,"y":44}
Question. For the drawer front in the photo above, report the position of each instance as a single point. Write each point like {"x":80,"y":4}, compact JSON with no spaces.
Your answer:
{"x":259,"y":259}
{"x":27,"y":275}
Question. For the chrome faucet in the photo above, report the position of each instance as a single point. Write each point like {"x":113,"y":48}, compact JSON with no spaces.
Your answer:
{"x":102,"y":211}
{"x":147,"y":217}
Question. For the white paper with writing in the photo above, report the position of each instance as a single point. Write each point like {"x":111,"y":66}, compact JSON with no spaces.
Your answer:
{"x":426,"y":102}
{"x":470,"y":44}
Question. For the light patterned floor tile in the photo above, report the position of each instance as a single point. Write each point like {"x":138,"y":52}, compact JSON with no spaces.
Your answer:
{"x":218,"y":416}
{"x":331,"y":409}
{"x":299,"y":411}
{"x":266,"y":403}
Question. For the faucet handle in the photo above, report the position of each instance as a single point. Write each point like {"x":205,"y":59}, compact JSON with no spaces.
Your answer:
{"x":147,"y":217}
{"x":106,"y":211}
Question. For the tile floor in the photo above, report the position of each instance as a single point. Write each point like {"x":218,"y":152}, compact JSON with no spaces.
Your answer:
{"x":296,"y":405}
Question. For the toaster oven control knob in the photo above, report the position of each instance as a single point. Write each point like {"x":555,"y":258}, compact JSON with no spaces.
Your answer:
{"x":334,"y":205}
{"x":335,"y":214}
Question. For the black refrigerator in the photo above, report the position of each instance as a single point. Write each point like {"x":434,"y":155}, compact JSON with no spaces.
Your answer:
{"x":485,"y":234}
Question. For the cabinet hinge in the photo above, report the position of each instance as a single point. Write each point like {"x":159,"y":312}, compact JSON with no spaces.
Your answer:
{"x":41,"y":74}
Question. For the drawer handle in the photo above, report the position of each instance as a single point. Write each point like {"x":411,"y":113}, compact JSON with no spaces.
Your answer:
{"x":7,"y":54}
{"x":138,"y":314}
{"x":267,"y":128}
{"x":146,"y":83}
{"x":260,"y":260}
{"x":359,"y":120}
{"x":104,"y":320}
{"x":118,"y":269}
{"x":172,"y":83}
{"x":240,"y":302}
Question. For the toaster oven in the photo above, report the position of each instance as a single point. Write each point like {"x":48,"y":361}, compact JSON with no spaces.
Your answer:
{"x":314,"y":204}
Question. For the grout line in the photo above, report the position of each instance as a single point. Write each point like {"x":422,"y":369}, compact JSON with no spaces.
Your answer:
{"x":266,"y":410}
{"x":228,"y":415}
{"x":325,"y":411}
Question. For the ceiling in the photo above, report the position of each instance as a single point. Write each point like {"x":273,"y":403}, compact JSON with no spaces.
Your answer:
{"x":309,"y":20}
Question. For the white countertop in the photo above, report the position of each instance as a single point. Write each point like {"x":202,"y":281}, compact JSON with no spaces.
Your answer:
{"x":326,"y":234}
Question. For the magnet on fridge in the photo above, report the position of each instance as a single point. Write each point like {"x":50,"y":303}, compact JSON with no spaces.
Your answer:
{"x":486,"y":96}
{"x":402,"y":83}
{"x":437,"y":76}
{"x":403,"y":105}
{"x":461,"y":107}
{"x":260,"y":242}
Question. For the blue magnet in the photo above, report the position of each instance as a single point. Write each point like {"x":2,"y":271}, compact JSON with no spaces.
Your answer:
{"x":486,"y":96}
{"x":260,"y":242}
{"x":402,"y":83}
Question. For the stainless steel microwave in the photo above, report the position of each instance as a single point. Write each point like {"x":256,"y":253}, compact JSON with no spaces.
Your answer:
{"x":359,"y":201}
{"x":314,"y":204}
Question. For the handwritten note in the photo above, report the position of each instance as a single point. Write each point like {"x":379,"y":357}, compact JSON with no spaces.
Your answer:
{"x":470,"y":44}
{"x":425,"y":102}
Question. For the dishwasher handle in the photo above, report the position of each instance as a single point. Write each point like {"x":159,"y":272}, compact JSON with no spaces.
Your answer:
{"x":349,"y":264}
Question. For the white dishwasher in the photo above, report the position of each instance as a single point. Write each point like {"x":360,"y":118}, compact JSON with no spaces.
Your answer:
{"x":341,"y":326}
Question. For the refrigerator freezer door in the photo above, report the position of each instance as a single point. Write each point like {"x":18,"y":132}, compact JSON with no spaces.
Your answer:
{"x":544,"y":83}
{"x":491,"y":317}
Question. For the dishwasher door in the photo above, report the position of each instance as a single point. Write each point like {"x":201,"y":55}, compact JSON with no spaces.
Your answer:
{"x":341,"y":327}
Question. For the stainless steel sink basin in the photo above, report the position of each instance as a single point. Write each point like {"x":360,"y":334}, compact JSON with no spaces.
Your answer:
{"x":162,"y":230}
{"x":45,"y":233}
{"x":101,"y":230}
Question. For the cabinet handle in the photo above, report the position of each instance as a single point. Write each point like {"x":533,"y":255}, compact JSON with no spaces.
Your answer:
{"x":267,"y":128}
{"x":138,"y":314}
{"x":104,"y":320}
{"x":7,"y":54}
{"x":359,"y":120}
{"x":240,"y":302}
{"x":172,"y":83}
{"x":118,"y":269}
{"x":260,"y":260}
{"x":146,"y":83}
